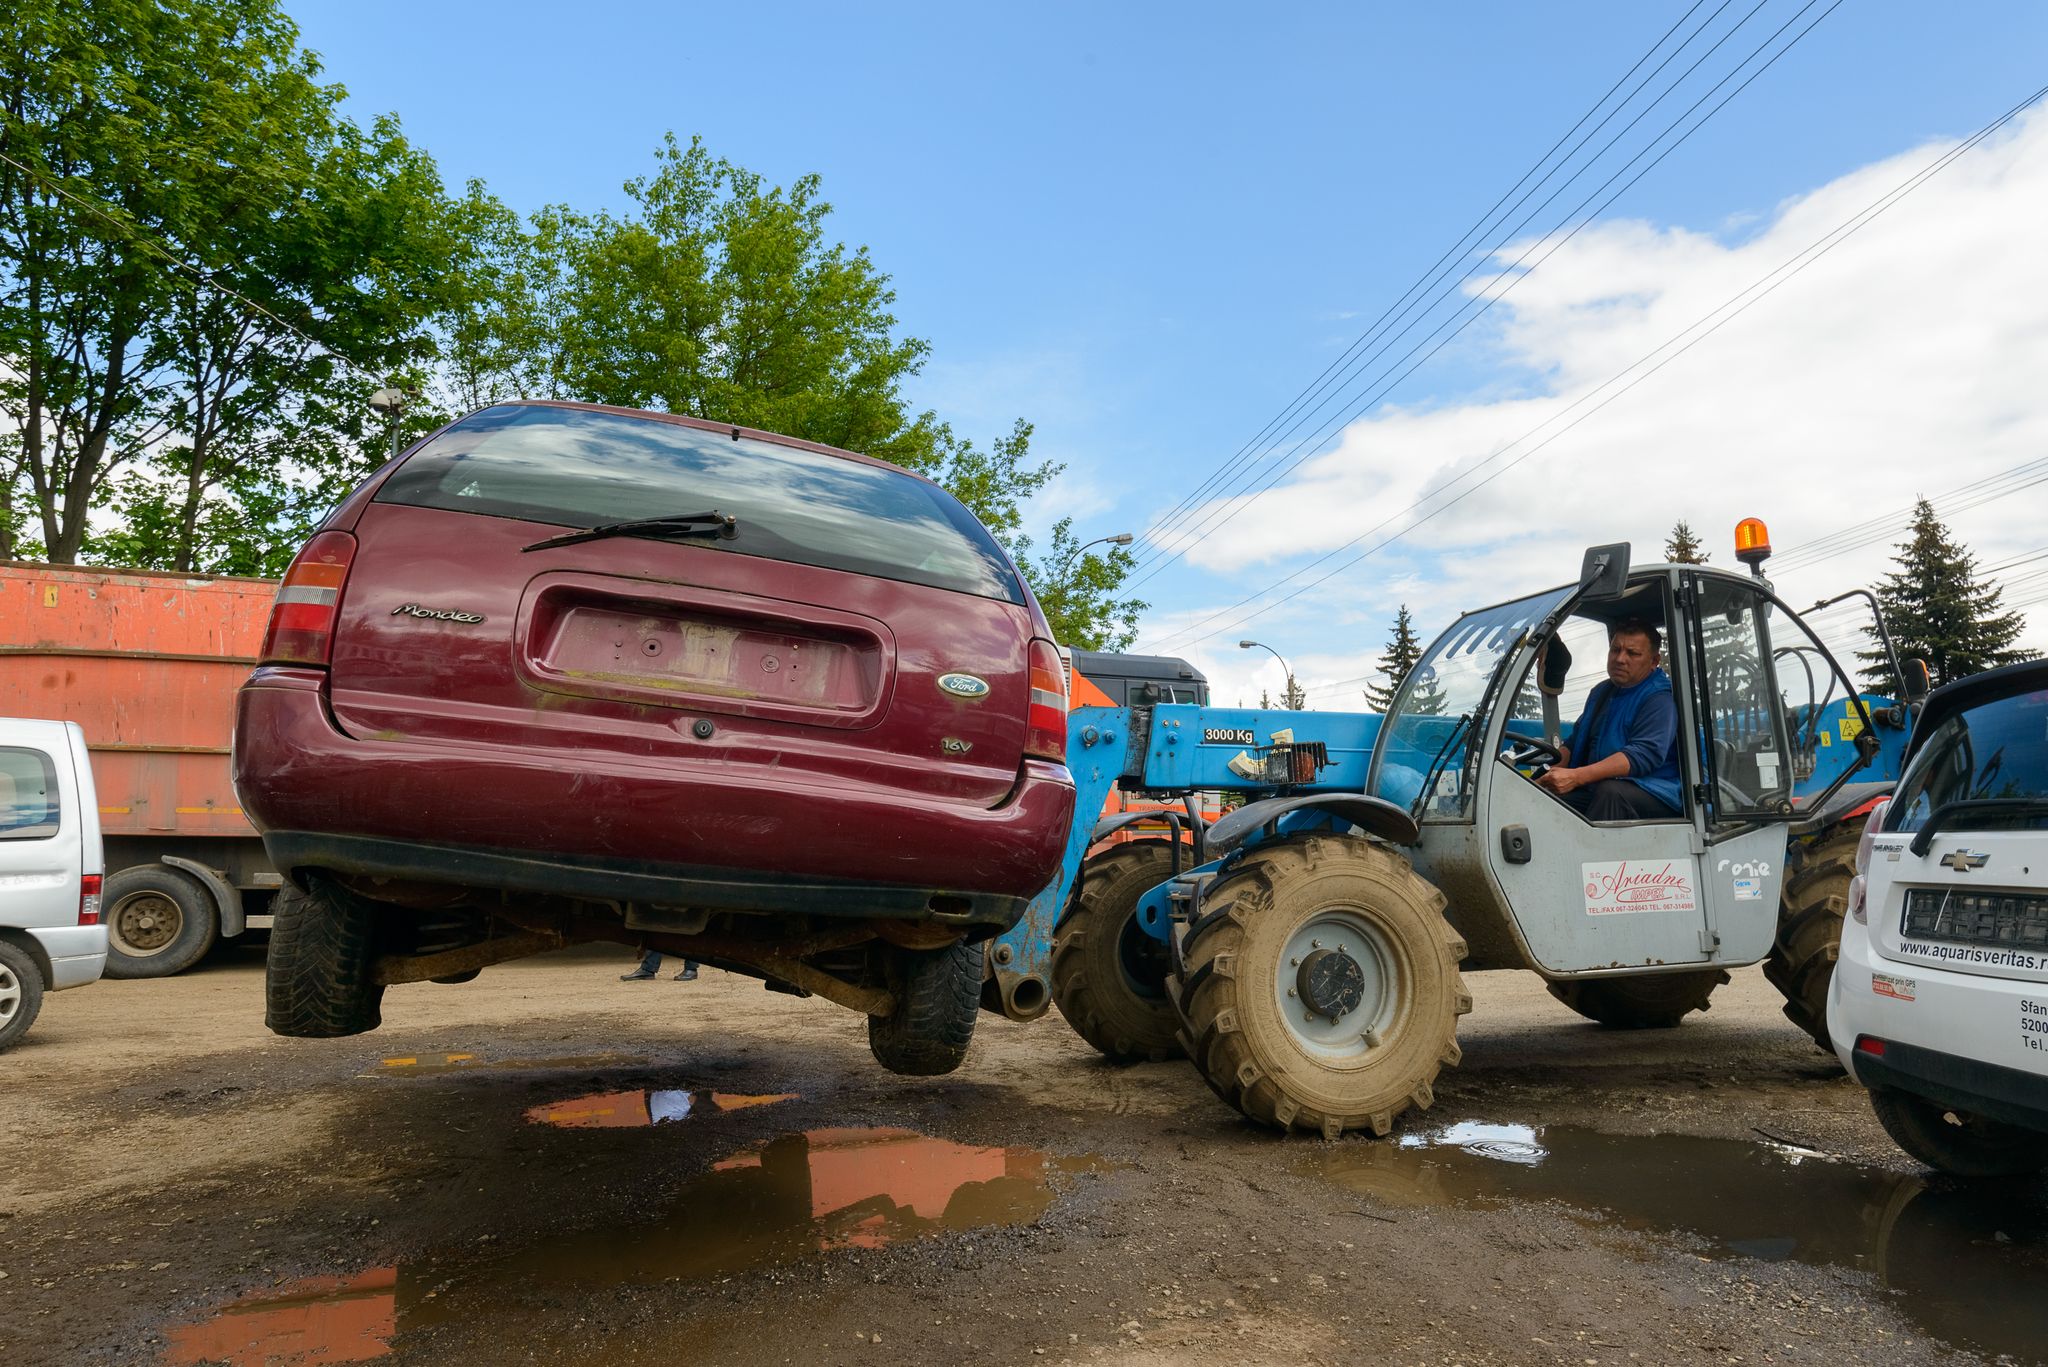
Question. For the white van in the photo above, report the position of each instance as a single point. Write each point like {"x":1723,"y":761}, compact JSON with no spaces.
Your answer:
{"x":1939,"y":1003}
{"x":51,"y":865}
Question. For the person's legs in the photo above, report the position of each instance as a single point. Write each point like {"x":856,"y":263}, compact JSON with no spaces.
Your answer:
{"x":689,"y":973}
{"x":650,"y":966}
{"x":1617,"y":799}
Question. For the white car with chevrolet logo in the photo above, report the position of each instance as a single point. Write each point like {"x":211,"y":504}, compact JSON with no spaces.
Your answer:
{"x":1939,"y":1003}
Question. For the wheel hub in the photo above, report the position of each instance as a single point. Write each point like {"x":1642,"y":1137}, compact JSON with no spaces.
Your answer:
{"x":145,"y":924}
{"x":1331,"y":983}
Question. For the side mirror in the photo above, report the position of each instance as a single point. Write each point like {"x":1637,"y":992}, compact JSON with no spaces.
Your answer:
{"x":1150,"y":692}
{"x":1554,"y":666}
{"x":1604,"y":574}
{"x":1915,"y":680}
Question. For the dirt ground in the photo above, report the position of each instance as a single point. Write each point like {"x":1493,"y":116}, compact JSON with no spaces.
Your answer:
{"x":478,"y":1181}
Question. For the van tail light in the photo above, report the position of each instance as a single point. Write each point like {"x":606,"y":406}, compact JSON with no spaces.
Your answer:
{"x":89,"y":900}
{"x":1859,"y":899}
{"x":1871,"y":1045}
{"x":1872,"y":824}
{"x":308,"y":602}
{"x":1045,"y":723}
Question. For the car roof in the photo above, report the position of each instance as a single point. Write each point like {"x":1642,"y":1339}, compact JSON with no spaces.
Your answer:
{"x":1975,"y":690}
{"x":724,"y":429}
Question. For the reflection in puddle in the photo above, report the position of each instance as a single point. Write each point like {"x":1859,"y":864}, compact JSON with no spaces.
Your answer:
{"x":413,"y":1065}
{"x":1968,"y":1263}
{"x":791,"y":1198}
{"x":317,"y":1320}
{"x":631,"y":1110}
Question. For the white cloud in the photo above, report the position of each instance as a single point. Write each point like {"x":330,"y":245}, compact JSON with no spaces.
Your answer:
{"x":1907,"y":361}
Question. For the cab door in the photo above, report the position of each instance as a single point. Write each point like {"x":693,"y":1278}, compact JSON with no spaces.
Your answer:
{"x":1589,"y":896}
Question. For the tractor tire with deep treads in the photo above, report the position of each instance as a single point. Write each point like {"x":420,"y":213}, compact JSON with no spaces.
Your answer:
{"x":1649,"y":1001}
{"x":1810,"y":911}
{"x":1108,"y":976}
{"x":320,"y":979}
{"x":938,"y":992}
{"x":1320,"y":988}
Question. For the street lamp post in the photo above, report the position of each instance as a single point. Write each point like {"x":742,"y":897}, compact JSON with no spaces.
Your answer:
{"x":1114,"y":539}
{"x":390,"y":402}
{"x":1247,"y":645}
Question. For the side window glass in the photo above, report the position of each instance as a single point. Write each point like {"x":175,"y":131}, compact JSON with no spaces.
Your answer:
{"x":28,"y":795}
{"x":1747,"y":755}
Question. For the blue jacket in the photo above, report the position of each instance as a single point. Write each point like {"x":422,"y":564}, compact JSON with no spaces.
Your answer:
{"x":1640,"y":722}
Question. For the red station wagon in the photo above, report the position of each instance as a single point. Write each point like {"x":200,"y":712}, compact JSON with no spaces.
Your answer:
{"x":565,"y":673}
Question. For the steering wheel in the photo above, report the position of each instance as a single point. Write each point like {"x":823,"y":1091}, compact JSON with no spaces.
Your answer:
{"x":1527,"y":751}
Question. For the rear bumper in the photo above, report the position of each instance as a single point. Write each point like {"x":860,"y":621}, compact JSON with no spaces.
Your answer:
{"x":1964,"y":1040}
{"x":77,"y":954}
{"x":603,"y":825}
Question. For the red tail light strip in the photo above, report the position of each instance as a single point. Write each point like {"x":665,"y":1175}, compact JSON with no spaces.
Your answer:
{"x":89,"y":900}
{"x":302,"y":619}
{"x":1045,"y":735}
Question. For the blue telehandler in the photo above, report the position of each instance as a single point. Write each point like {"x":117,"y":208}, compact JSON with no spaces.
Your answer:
{"x":1306,"y":950}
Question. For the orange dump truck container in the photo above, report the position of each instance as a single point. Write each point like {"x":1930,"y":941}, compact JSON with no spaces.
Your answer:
{"x":148,"y":663}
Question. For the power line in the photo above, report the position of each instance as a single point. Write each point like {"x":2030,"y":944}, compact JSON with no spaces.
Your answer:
{"x":1758,"y":291}
{"x":1307,"y":446}
{"x":1429,"y":276}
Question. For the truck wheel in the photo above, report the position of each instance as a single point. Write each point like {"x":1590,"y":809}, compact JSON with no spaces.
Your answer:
{"x":938,"y":992}
{"x":1319,"y":989}
{"x":1810,"y":911}
{"x":1958,"y":1144}
{"x":159,"y":922}
{"x":1109,"y":976}
{"x":319,"y":982}
{"x":1651,"y":1001}
{"x":21,"y":993}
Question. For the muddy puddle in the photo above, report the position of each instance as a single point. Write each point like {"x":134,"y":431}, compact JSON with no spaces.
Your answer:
{"x":419,"y":1065}
{"x":1968,"y":1264}
{"x":795,"y":1197}
{"x":644,"y":1106}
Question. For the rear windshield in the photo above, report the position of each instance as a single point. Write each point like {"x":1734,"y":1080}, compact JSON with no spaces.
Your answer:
{"x":1995,"y":755}
{"x":575,"y":468}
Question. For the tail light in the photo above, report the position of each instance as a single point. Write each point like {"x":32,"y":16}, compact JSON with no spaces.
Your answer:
{"x":1045,"y":723}
{"x":302,"y":620}
{"x":1872,"y":824}
{"x":1859,"y":899}
{"x":1871,"y":1045}
{"x":89,"y":900}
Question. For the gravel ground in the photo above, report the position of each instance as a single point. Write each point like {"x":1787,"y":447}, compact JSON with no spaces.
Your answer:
{"x":478,"y":1182}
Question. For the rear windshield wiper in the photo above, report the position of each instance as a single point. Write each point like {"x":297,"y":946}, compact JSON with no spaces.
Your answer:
{"x":2018,"y":807}
{"x":713,"y":523}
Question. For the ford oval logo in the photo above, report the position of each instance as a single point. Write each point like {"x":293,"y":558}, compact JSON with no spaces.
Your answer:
{"x":963,"y":685}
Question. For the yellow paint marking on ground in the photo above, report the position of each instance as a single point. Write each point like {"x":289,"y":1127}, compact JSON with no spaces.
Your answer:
{"x":400,"y":1062}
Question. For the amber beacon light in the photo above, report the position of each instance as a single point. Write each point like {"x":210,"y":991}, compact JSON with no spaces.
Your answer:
{"x":1752,"y":541}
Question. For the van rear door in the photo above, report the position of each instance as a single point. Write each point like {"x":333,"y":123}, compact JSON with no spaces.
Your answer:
{"x":43,"y":830}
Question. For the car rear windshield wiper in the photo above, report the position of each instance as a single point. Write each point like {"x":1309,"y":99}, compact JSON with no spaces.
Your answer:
{"x":713,"y":523}
{"x":2015,"y":807}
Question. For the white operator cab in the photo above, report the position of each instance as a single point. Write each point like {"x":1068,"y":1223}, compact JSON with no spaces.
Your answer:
{"x":51,"y":866}
{"x":1635,"y":921}
{"x":1939,"y":1002}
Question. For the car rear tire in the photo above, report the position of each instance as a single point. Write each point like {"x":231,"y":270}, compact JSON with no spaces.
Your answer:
{"x":1959,"y":1144}
{"x":1109,"y":976}
{"x":320,"y":980}
{"x":21,"y":993}
{"x":938,"y":993}
{"x":1653,"y":1001}
{"x":159,"y":922}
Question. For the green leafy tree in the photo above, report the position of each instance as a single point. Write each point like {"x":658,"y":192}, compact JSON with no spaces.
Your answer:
{"x":1682,"y":547}
{"x":1938,"y":609}
{"x":1402,"y":651}
{"x":1078,"y":591}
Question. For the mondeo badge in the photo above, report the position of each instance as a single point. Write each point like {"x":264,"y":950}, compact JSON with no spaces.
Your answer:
{"x":1962,"y":861}
{"x":437,"y":614}
{"x":963,"y":685}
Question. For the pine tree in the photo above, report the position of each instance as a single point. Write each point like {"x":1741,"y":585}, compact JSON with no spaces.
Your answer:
{"x":1683,"y":548}
{"x":1399,"y":657}
{"x":1939,"y":610}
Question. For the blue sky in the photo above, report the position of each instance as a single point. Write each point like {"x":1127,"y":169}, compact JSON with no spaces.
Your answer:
{"x":1145,"y":228}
